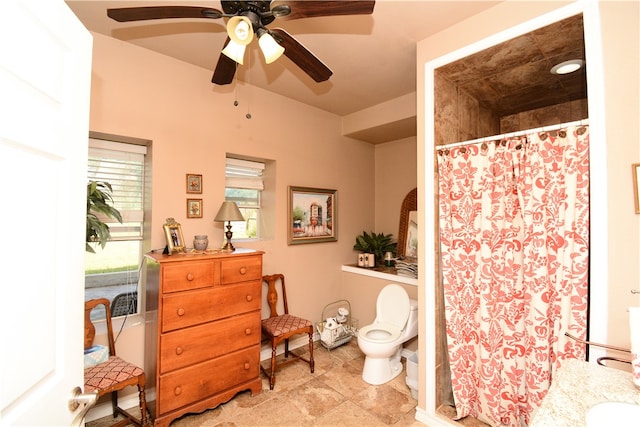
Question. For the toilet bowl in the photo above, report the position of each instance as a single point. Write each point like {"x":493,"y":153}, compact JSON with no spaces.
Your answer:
{"x":381,"y":342}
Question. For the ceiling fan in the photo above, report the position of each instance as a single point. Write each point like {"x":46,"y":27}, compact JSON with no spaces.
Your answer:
{"x":249,"y":18}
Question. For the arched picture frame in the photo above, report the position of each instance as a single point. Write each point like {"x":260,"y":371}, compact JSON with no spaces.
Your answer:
{"x":407,"y":229}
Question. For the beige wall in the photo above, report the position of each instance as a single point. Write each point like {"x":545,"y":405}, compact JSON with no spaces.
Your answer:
{"x":620,"y":37}
{"x":396,"y":172}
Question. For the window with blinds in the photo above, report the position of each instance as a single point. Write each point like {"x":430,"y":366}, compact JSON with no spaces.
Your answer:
{"x":114,"y":270}
{"x":244,"y":182}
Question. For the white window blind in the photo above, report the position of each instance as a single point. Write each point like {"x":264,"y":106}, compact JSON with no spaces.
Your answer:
{"x":244,"y":174}
{"x":122,"y":166}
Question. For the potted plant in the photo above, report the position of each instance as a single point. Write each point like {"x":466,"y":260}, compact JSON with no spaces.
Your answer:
{"x":376,"y":244}
{"x":99,"y":201}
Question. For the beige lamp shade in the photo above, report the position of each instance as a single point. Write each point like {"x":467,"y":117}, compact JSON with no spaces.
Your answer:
{"x":229,"y":211}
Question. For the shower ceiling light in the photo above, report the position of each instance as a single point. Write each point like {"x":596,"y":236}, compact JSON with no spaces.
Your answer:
{"x":567,"y":67}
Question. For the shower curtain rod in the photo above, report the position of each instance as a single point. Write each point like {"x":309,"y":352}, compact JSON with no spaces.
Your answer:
{"x":513,"y":134}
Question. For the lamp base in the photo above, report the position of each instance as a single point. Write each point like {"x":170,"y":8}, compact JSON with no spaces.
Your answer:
{"x":228,"y":247}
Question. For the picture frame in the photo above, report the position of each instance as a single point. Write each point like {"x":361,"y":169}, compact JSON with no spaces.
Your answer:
{"x":636,"y":186}
{"x":173,"y":235}
{"x":194,"y":208}
{"x":312,"y":215}
{"x":194,"y":183}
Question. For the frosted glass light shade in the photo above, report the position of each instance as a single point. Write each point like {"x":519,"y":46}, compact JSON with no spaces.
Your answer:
{"x":270,"y":48}
{"x":240,"y":30}
{"x":234,"y":51}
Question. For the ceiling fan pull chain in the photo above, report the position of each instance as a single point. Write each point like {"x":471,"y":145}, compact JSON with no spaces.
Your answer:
{"x":248,"y":115}
{"x":235,"y":90}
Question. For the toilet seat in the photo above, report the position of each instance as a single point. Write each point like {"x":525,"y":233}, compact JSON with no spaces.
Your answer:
{"x":380,"y":332}
{"x":392,"y":311}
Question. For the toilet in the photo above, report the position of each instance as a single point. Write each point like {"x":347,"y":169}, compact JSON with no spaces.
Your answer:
{"x":396,"y":322}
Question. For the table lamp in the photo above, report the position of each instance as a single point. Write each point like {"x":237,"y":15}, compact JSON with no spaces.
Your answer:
{"x":228,"y":212}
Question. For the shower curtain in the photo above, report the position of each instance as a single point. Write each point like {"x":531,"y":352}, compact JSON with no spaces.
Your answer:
{"x":514,"y":230}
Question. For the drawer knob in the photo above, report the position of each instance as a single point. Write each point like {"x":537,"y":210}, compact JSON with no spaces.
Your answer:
{"x":179,"y":350}
{"x":190,"y":277}
{"x":243,"y":270}
{"x":246,"y":365}
{"x":181,"y":312}
{"x":247,"y":331}
{"x":177,"y":391}
{"x":249,"y":298}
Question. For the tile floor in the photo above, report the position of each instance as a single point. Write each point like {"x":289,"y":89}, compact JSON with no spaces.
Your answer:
{"x":334,"y":395}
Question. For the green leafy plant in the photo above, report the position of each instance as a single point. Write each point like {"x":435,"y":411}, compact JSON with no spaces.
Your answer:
{"x":376,"y":244}
{"x":99,"y":201}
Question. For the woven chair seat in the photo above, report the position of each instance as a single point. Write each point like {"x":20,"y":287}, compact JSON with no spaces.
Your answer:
{"x":283,"y":324}
{"x":107,"y":374}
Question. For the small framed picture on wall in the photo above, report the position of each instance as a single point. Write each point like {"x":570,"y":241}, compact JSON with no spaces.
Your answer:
{"x":194,"y":208}
{"x":194,"y":183}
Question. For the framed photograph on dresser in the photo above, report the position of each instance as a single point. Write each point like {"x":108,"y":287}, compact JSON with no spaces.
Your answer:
{"x":173,"y":234}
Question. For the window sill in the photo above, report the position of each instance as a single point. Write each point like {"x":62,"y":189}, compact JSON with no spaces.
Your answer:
{"x":386,"y":273}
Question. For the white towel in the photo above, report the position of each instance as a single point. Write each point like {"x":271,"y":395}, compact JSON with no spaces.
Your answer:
{"x":634,"y":327}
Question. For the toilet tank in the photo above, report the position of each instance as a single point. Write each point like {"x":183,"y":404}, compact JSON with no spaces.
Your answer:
{"x":411,"y":329}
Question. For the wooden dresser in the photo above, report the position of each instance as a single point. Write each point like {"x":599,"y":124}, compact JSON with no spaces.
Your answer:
{"x":202,"y":330}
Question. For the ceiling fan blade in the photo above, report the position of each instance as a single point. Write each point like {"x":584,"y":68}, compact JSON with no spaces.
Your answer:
{"x":300,"y":56}
{"x":312,"y":8}
{"x":127,"y":14}
{"x":225,"y":69}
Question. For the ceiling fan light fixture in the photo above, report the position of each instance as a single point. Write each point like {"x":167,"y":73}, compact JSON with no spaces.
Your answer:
{"x":240,"y":30}
{"x":269,"y":47}
{"x":567,"y":67}
{"x":235,"y":51}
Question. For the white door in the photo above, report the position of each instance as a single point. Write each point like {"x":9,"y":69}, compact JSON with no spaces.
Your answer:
{"x":45,"y":77}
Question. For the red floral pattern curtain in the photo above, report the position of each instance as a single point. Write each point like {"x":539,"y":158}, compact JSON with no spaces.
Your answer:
{"x":514,"y":230}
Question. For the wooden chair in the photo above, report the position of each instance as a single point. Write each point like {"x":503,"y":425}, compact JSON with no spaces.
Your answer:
{"x":114,"y":374}
{"x":280,"y":327}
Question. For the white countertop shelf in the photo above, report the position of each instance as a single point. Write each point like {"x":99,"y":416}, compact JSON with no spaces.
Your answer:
{"x":386,"y":273}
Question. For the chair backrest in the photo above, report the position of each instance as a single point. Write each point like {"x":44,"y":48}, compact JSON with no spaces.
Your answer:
{"x":89,"y":327}
{"x":272,"y":281}
{"x":125,"y":303}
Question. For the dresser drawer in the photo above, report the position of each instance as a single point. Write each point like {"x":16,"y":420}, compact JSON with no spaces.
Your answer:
{"x":188,"y":385}
{"x":181,"y":276}
{"x":185,"y":347}
{"x":189,"y":308}
{"x":241,"y":269}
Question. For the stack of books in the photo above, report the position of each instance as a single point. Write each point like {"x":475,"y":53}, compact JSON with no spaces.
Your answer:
{"x":407,"y":268}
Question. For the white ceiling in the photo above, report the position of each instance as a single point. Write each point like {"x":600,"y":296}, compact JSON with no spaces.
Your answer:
{"x":373,"y":57}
